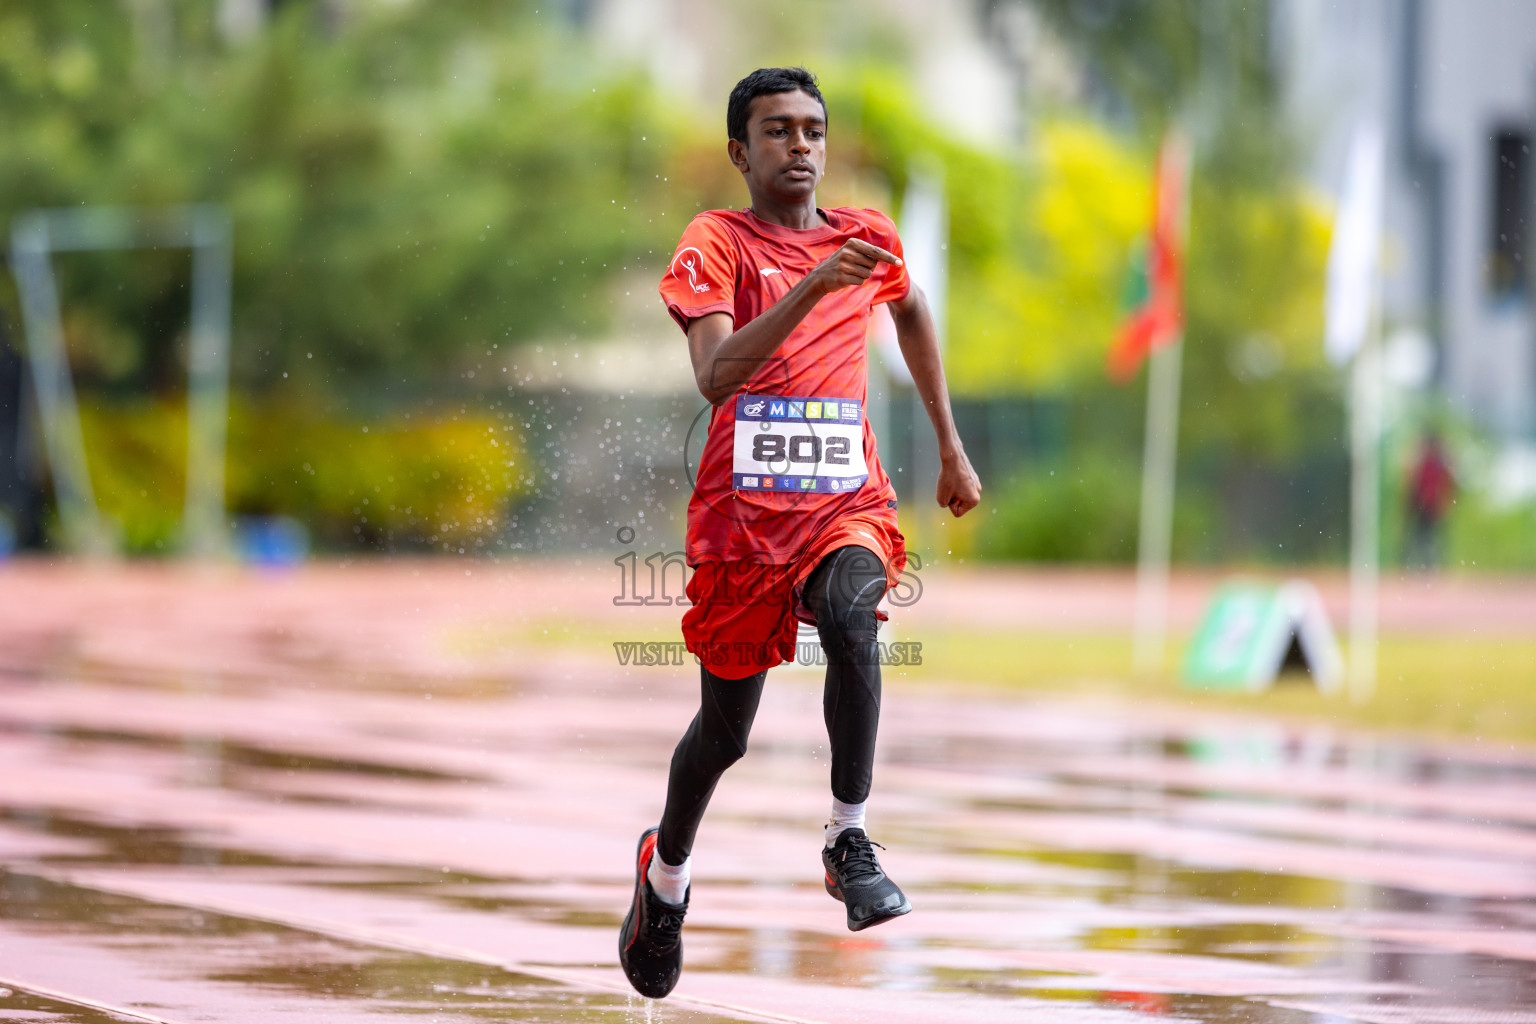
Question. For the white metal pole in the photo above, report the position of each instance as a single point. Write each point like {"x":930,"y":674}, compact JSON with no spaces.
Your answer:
{"x":57,"y":407}
{"x":1160,"y":445}
{"x":1155,"y":543}
{"x":208,"y":382}
{"x":1365,"y":513}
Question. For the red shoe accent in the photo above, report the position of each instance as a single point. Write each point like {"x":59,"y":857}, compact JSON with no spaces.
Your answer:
{"x":643,"y":864}
{"x":647,"y":850}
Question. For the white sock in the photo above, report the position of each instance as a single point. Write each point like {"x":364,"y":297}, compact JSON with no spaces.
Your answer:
{"x":670,"y":883}
{"x":844,"y":816}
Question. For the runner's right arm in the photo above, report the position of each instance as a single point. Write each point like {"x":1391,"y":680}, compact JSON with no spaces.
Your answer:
{"x":724,"y":360}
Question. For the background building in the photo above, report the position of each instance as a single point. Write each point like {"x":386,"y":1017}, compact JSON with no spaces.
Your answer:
{"x":1453,"y":85}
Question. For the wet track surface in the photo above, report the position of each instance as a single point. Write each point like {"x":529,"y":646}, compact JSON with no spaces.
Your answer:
{"x":311,"y":798}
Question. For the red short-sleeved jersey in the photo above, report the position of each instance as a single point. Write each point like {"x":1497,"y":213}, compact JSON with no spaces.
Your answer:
{"x":734,"y":262}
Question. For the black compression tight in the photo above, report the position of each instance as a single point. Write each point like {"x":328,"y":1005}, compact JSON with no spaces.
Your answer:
{"x":842,"y":591}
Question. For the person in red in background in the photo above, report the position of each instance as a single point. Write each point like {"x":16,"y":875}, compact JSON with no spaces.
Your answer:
{"x":792,"y":517}
{"x":1431,"y":488}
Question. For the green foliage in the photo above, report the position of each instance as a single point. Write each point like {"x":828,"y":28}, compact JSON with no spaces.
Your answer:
{"x":137,"y":454}
{"x":1041,"y":242}
{"x":1080,"y":510}
{"x":1045,"y":317}
{"x":1254,"y":372}
{"x":1478,"y":535}
{"x":412,"y":480}
{"x":413,"y":191}
{"x":1261,"y":421}
{"x":443,"y":480}
{"x":1038,"y":237}
{"x":1083,"y":508}
{"x":428,"y":180}
{"x":423,"y":185}
{"x":1206,"y":64}
{"x":1257,"y":247}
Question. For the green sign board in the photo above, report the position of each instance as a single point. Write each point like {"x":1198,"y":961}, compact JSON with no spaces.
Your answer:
{"x":1251,"y":631}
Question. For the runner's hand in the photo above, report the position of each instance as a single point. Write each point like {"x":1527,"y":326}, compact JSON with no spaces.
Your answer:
{"x":850,"y":266}
{"x":959,"y":486}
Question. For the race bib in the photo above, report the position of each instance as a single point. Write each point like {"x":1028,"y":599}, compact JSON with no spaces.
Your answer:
{"x":785,"y":443}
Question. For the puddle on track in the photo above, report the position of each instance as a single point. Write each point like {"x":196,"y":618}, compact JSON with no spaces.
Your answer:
{"x":1011,"y":916}
{"x":262,"y":957}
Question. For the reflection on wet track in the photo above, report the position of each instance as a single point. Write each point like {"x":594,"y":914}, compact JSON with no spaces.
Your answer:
{"x":266,"y":801}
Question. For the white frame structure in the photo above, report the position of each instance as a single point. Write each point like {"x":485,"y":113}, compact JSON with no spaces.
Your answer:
{"x":205,"y":229}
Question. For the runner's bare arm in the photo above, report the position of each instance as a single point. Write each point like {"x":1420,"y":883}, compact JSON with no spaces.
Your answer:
{"x":724,"y":360}
{"x":959,"y":489}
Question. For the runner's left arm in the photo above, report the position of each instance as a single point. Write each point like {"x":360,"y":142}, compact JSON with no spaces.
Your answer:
{"x":959,"y":489}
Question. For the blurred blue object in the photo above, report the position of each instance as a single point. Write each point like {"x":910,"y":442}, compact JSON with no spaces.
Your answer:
{"x":7,"y":536}
{"x":271,"y":540}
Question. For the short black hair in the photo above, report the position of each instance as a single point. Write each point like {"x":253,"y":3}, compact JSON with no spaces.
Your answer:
{"x":766,"y":82}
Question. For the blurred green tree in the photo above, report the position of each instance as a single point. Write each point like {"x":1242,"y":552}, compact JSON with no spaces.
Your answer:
{"x":1038,"y":234}
{"x":1257,"y":238}
{"x":425,"y":182}
{"x":1261,"y":419}
{"x":412,"y":189}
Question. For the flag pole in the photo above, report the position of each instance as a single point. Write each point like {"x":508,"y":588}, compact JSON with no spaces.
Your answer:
{"x":1353,"y":329}
{"x":1365,"y":507}
{"x":924,"y":234}
{"x":1160,"y":443}
{"x":1155,"y":543}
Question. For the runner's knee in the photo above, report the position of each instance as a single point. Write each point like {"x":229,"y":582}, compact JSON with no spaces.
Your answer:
{"x":717,"y":738}
{"x":707,"y":749}
{"x":844,"y":593}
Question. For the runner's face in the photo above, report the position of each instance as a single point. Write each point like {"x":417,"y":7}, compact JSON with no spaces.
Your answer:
{"x":786,"y":152}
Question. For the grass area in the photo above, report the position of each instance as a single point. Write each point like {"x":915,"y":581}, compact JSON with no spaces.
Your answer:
{"x":1471,"y":686}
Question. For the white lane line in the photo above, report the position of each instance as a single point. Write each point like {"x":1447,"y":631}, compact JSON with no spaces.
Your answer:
{"x":95,"y":1004}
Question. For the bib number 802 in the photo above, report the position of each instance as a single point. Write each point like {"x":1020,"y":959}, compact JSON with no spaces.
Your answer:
{"x":801,"y":448}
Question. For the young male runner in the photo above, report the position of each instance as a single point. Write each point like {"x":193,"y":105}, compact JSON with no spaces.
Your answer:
{"x":791,"y":515}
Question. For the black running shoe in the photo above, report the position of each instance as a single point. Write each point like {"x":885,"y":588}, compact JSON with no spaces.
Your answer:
{"x":651,"y":941}
{"x":855,"y":878}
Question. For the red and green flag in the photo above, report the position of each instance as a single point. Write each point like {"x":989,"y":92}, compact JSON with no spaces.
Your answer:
{"x":1156,"y":316}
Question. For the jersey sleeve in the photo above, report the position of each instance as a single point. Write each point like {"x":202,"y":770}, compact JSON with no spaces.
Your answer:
{"x":701,"y":278}
{"x":882,"y":232}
